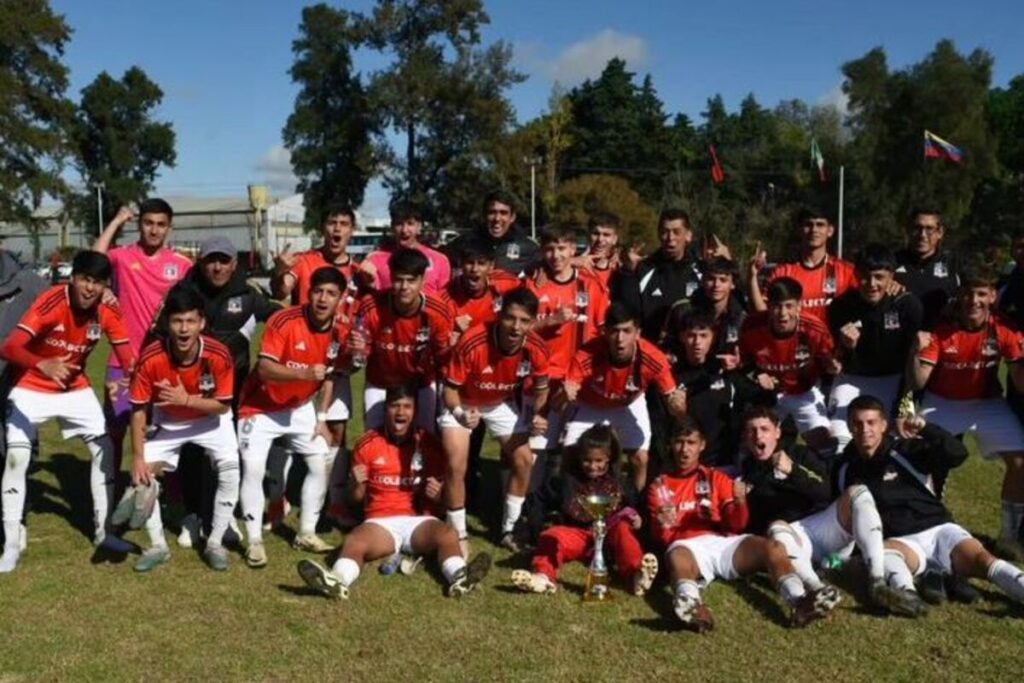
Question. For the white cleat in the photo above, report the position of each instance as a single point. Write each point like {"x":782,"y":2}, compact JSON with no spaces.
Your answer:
{"x":644,"y":578}
{"x":9,"y":560}
{"x":533,"y":582}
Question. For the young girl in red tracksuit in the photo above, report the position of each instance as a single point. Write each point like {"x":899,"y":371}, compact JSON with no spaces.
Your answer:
{"x":590,"y":470}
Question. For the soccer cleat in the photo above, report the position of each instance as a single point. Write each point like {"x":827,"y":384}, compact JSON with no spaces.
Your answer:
{"x":694,"y":613}
{"x":113,"y":544}
{"x":256,"y":555}
{"x":959,"y":589}
{"x":470,"y":576}
{"x":826,"y":598}
{"x":9,"y":560}
{"x":153,"y":558}
{"x":533,"y":582}
{"x":508,"y":542}
{"x":805,"y":610}
{"x":216,"y":557}
{"x":276,"y":512}
{"x":904,"y":603}
{"x":322,"y":580}
{"x":190,"y":528}
{"x":146,"y":499}
{"x":644,"y":578}
{"x":311,"y":543}
{"x":932,"y":587}
{"x":408,"y":565}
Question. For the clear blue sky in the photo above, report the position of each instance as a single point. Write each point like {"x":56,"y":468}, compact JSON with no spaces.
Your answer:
{"x":223,"y":65}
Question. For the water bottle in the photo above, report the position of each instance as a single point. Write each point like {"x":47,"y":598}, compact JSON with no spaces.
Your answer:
{"x":390,"y":566}
{"x":359,"y":358}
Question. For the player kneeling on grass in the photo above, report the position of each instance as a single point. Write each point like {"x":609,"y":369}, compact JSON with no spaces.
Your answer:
{"x":488,"y":366}
{"x":919,"y":530}
{"x":790,"y":496}
{"x":298,"y":355}
{"x":697,"y":513}
{"x":590,"y":469}
{"x":48,"y":351}
{"x":186,"y":382}
{"x":396,"y":475}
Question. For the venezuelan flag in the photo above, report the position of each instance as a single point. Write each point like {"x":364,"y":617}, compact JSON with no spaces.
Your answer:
{"x":937,"y":148}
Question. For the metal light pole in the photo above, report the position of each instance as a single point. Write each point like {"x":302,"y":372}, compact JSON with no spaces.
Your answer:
{"x":842,"y":186}
{"x":99,"y":206}
{"x":533,"y":161}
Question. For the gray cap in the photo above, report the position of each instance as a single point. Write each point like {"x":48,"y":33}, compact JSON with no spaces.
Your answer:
{"x":217,"y":245}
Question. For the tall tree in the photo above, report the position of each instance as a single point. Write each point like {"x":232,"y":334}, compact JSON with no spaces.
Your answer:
{"x":947,"y":93}
{"x":443,"y":95}
{"x":118,"y":142}
{"x":619,"y":127}
{"x":34,"y":112}
{"x":329,"y":133}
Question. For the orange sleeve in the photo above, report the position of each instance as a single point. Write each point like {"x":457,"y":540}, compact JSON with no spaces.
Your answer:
{"x":224,"y":378}
{"x":140,"y":390}
{"x":274,"y":341}
{"x":34,"y":321}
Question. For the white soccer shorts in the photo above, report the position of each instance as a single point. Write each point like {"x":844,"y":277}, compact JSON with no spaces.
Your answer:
{"x":214,"y":433}
{"x":991,"y":420}
{"x":426,"y":407}
{"x":935,"y":545}
{"x":821,"y":535}
{"x":808,"y":409}
{"x":631,"y":423}
{"x":78,"y":412}
{"x":401,"y":529}
{"x":502,"y":420}
{"x":296,"y":427}
{"x":713,"y":554}
{"x":340,"y":409}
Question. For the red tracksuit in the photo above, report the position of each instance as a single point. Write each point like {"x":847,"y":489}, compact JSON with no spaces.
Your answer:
{"x":574,"y":540}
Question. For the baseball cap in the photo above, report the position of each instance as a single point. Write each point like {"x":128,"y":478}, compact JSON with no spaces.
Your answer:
{"x":217,"y":245}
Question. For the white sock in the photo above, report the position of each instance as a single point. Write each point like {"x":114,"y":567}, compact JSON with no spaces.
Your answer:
{"x":224,"y":500}
{"x":452,"y":566}
{"x":688,"y":588}
{"x":314,"y":488}
{"x":13,"y":486}
{"x":155,"y":528}
{"x":513,"y":508}
{"x":251,"y":495}
{"x":897,"y":574}
{"x":101,"y":479}
{"x":1013,"y":515}
{"x":346,"y":570}
{"x":867,"y":530}
{"x":1007,"y":577}
{"x":457,"y":521}
{"x":800,"y":558}
{"x":791,"y":588}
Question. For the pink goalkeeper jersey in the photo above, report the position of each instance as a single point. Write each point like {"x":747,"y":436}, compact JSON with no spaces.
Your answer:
{"x":439,"y":272}
{"x":140,"y":282}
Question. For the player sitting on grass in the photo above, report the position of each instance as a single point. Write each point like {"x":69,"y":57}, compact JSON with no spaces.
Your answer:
{"x":919,"y":530}
{"x":590,"y":469}
{"x":47,"y":352}
{"x":791,"y":501}
{"x":181,"y":393}
{"x":397,"y":475}
{"x":697,"y":513}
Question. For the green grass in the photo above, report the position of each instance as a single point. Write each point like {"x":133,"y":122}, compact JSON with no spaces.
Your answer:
{"x":66,"y":619}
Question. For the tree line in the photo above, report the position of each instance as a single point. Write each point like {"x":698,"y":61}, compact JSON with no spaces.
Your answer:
{"x":435,"y":123}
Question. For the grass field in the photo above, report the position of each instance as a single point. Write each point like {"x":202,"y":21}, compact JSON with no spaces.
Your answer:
{"x":63,"y":618}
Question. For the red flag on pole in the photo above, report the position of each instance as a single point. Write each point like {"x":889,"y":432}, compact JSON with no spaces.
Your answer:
{"x":717,"y":173}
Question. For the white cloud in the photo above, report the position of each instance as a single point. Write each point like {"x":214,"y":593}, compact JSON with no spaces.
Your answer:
{"x":275,"y":169}
{"x":836,"y":98}
{"x":587,"y":58}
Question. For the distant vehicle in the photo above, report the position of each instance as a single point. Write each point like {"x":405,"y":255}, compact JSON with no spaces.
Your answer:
{"x":362,"y":243}
{"x":447,"y":236}
{"x":62,"y":273}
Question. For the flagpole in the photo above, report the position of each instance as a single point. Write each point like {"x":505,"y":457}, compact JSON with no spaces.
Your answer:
{"x":842,"y":183}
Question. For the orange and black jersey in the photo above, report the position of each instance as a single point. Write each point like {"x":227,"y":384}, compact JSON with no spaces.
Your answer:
{"x":210,"y":375}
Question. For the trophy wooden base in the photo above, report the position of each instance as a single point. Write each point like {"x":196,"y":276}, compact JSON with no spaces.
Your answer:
{"x":595,"y":588}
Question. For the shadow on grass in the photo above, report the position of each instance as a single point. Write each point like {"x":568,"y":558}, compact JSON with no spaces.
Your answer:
{"x":762,"y":599}
{"x":301,"y":591}
{"x":72,"y":475}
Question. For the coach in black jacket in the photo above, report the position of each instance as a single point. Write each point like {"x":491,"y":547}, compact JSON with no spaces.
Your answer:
{"x":664,"y":278}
